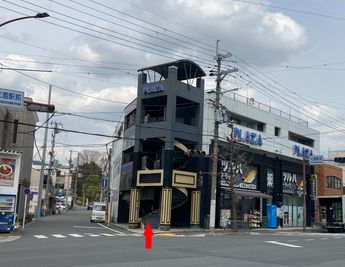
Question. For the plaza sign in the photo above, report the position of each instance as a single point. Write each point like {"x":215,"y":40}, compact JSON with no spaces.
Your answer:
{"x":153,"y":89}
{"x":11,"y":98}
{"x":251,"y":138}
{"x":301,"y":151}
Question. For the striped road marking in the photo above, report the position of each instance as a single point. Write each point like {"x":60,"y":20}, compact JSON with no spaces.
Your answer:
{"x":283,"y":244}
{"x":59,"y":236}
{"x":75,"y":235}
{"x":40,"y":236}
{"x":90,"y":234}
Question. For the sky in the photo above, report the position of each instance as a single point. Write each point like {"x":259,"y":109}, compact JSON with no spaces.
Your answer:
{"x":289,"y":53}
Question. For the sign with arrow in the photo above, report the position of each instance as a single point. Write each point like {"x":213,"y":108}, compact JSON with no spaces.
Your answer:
{"x":148,"y":233}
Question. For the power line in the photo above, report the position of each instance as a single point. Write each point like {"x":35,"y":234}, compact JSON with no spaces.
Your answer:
{"x":293,"y":10}
{"x":69,"y":90}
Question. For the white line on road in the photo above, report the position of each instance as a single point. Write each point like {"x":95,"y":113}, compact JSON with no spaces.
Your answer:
{"x":310,"y":239}
{"x":40,"y":236}
{"x":75,"y":235}
{"x":110,"y":229}
{"x":338,"y":237}
{"x":59,"y":236}
{"x":324,"y":238}
{"x":90,"y":234}
{"x":282,"y":244}
{"x":89,"y":227}
{"x":106,"y":234}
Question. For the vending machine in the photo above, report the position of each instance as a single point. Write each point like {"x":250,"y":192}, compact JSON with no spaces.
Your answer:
{"x":7,"y":213}
{"x":9,"y":179}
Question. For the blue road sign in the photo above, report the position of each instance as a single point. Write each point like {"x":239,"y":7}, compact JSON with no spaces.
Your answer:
{"x":104,"y":182}
{"x":316,"y":159}
{"x":26,"y":190}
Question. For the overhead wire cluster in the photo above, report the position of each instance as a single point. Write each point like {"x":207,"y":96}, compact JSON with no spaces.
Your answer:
{"x":167,"y":44}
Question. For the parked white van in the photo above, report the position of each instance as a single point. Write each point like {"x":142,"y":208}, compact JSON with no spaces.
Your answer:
{"x":98,"y":212}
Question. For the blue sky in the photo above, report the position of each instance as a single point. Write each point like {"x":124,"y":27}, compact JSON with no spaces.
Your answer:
{"x":292,"y":53}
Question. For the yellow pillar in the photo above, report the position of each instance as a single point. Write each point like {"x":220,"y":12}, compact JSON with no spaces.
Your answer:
{"x":195,"y":209}
{"x":165,"y":216}
{"x":134,"y":205}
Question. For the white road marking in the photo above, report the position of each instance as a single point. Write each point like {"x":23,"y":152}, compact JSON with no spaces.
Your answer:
{"x":90,"y":234}
{"x":197,"y":235}
{"x":324,"y":238}
{"x":40,"y":236}
{"x":87,"y":227}
{"x":135,"y":235}
{"x":283,"y":244}
{"x":59,"y":236}
{"x":104,"y":234}
{"x":75,"y":235}
{"x":110,"y":229}
{"x":310,"y":239}
{"x":338,"y":237}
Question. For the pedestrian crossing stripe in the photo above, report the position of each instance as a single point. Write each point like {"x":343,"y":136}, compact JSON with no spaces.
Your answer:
{"x":59,"y":236}
{"x":40,"y":236}
{"x":75,"y":235}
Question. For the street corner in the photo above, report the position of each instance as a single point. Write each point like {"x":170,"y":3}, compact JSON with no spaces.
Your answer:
{"x":9,"y":238}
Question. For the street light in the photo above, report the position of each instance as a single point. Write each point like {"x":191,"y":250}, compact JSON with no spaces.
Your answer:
{"x":37,"y":16}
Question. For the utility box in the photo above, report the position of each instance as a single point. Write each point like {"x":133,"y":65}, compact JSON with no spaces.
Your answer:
{"x":271,"y":216}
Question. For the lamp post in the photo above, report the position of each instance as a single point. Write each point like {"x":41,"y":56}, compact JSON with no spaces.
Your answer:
{"x":37,"y":16}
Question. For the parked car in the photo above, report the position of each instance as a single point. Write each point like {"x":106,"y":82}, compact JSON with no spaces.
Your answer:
{"x":90,"y":206}
{"x":98,"y":212}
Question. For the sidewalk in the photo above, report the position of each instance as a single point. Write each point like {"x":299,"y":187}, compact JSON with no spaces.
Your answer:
{"x":220,"y":231}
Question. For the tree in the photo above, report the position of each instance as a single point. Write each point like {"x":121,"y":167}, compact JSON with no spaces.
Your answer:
{"x":88,"y":156}
{"x":89,"y":184}
{"x":233,"y":161}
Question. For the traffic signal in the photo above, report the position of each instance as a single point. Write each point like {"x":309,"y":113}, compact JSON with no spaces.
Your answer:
{"x":339,"y":159}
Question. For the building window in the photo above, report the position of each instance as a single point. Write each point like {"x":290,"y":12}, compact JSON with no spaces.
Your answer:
{"x":130,"y":119}
{"x":154,"y":109}
{"x":15,"y":131}
{"x":333,"y":182}
{"x":187,"y":111}
{"x":276,"y":131}
{"x":301,"y":139}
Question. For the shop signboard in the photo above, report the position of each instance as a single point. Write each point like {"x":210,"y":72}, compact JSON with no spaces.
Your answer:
{"x":9,"y":172}
{"x":11,"y":98}
{"x":270,"y":181}
{"x":292,"y":183}
{"x":245,"y":179}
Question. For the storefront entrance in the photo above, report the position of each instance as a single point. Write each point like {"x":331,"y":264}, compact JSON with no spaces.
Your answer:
{"x":292,"y":211}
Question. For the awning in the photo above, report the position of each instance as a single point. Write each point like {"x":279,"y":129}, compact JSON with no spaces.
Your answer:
{"x":249,"y":193}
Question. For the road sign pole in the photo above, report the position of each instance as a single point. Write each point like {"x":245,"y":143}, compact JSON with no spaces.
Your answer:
{"x":24,"y":213}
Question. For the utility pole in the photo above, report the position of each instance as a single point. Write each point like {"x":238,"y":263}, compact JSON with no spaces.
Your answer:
{"x":220,"y":75}
{"x":76,"y":181}
{"x":40,"y":186}
{"x":68,"y":179}
{"x":50,"y":191}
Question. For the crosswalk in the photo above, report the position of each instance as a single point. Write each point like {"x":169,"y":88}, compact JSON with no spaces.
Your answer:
{"x":78,"y":235}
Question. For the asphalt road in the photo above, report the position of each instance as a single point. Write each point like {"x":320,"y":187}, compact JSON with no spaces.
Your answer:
{"x":71,"y":240}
